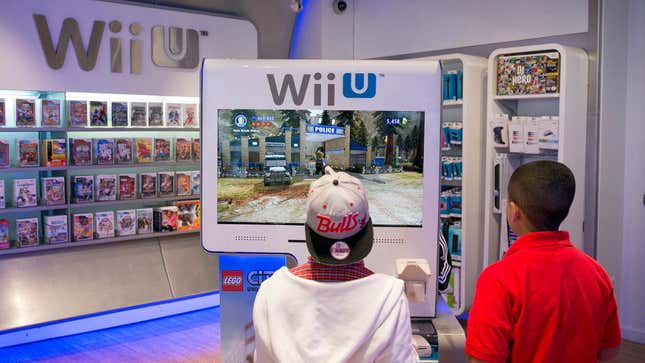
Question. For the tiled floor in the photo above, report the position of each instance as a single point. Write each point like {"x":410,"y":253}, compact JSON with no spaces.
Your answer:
{"x":190,"y":337}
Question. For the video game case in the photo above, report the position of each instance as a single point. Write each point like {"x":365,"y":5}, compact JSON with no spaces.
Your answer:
{"x":124,"y":151}
{"x":182,"y":180}
{"x":25,"y":112}
{"x":127,"y":186}
{"x":83,"y":188}
{"x":188,"y":215}
{"x":143,"y":150}
{"x":189,"y":115}
{"x":196,"y":182}
{"x":3,"y":203}
{"x":50,"y":110}
{"x":3,"y":118}
{"x":144,"y":220}
{"x":197,"y":149}
{"x":5,"y":242}
{"x":28,"y":154}
{"x":173,"y":114}
{"x":162,"y":149}
{"x":24,"y":193}
{"x":98,"y":114}
{"x":165,"y":219}
{"x":183,"y":149}
{"x":119,"y":114}
{"x":27,"y":232}
{"x":104,"y":222}
{"x":104,"y":151}
{"x":83,"y":226}
{"x":148,"y":185}
{"x":126,"y":222}
{"x":155,"y":114}
{"x":166,"y":181}
{"x":53,"y":190}
{"x":106,"y":187}
{"x":55,"y":152}
{"x":55,"y":229}
{"x":81,"y":151}
{"x":77,"y":113}
{"x":138,"y":112}
{"x":5,"y":154}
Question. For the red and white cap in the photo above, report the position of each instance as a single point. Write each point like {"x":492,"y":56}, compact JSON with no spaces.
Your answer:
{"x":338,"y":226}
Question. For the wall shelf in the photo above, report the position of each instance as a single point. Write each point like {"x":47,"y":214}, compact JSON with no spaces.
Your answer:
{"x":132,"y":201}
{"x":570,"y":105}
{"x":131,"y":129}
{"x":40,"y":208}
{"x":47,"y":247}
{"x":134,"y":165}
{"x":528,"y":97}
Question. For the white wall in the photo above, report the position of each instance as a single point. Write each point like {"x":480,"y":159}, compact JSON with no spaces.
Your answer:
{"x":23,"y":65}
{"x":611,"y":164}
{"x":633,"y":279}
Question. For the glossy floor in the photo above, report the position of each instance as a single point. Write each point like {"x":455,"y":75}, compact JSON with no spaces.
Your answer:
{"x":190,"y":337}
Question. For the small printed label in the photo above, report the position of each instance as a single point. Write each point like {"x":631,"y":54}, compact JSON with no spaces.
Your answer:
{"x":232,"y":280}
{"x":339,"y":250}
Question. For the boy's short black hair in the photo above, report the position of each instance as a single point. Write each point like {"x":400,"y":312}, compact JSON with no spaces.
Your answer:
{"x":544,"y":191}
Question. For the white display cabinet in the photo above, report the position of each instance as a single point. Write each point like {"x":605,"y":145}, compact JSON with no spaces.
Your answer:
{"x":465,"y":111}
{"x":544,"y":93}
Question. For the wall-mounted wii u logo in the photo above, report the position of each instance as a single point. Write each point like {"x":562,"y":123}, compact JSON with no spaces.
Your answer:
{"x":355,"y":85}
{"x":179,"y":50}
{"x":359,"y":85}
{"x":175,"y":55}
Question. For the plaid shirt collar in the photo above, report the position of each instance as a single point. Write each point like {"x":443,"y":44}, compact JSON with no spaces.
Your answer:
{"x":313,"y":270}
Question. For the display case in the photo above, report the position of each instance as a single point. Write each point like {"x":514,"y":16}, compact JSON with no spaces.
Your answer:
{"x":537,"y":109}
{"x":70,"y":160}
{"x":462,"y":169}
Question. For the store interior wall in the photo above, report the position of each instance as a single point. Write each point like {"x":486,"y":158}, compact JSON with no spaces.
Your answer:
{"x":274,"y":19}
{"x":633,"y":242}
{"x":614,"y":213}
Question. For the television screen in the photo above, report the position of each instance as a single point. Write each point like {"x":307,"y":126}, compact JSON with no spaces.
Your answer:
{"x":267,"y":160}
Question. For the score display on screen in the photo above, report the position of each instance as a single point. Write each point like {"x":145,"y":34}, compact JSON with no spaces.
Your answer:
{"x":267,"y":159}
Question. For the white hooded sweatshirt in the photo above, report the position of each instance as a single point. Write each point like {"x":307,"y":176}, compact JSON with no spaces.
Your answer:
{"x":365,"y":320}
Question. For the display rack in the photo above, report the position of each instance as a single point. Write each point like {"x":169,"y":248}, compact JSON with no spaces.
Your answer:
{"x":466,"y":107}
{"x":11,"y":133}
{"x":566,"y":103}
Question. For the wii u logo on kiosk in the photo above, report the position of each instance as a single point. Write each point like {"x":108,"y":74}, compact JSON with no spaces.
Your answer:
{"x":355,"y":85}
{"x":175,"y":55}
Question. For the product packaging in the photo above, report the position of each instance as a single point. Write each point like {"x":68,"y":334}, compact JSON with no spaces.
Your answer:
{"x":549,"y":131}
{"x":55,"y":229}
{"x":53,"y":190}
{"x":126,"y":222}
{"x":83,"y":226}
{"x":516,"y":135}
{"x":27,"y":232}
{"x":531,"y":131}
{"x":104,"y":224}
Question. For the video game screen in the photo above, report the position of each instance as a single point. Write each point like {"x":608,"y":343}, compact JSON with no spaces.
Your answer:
{"x":267,"y":160}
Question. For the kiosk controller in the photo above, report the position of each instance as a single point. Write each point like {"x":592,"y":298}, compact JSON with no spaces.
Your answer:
{"x":269,"y":127}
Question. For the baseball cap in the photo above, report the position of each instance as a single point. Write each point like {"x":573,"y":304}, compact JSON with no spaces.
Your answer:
{"x":338,"y":228}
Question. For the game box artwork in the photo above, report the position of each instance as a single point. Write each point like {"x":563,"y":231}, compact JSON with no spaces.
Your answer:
{"x":528,"y":74}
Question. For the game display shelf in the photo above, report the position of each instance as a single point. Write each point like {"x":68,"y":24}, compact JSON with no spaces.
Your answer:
{"x":462,"y":169}
{"x":537,"y":109}
{"x":65,"y":154}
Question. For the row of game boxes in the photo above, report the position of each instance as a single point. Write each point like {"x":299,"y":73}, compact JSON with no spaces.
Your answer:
{"x":103,"y":187}
{"x":100,"y":151}
{"x":183,"y":216}
{"x":122,"y":114}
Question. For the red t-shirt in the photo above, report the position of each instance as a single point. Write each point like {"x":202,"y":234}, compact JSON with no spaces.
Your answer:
{"x":545,"y":301}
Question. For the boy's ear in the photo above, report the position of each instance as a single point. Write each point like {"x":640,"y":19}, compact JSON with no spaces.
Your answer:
{"x":514,"y":211}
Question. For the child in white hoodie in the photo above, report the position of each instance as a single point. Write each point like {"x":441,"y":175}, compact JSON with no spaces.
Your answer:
{"x":333,"y":309}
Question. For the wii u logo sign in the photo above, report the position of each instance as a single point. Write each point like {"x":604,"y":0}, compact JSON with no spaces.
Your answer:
{"x":179,"y":50}
{"x":355,"y":85}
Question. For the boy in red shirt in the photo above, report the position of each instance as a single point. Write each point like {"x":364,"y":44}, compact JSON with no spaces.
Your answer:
{"x":545,"y":301}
